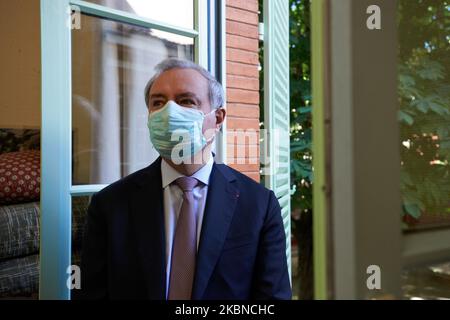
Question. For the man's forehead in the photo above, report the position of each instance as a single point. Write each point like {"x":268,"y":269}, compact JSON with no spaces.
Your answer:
{"x":181,"y":78}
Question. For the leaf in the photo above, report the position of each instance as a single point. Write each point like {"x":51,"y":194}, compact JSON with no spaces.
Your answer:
{"x":301,"y":145}
{"x":305,"y":110}
{"x":445,"y":145}
{"x":405,"y":117}
{"x":406,"y":178}
{"x":432,"y":70}
{"x":413,"y":210}
{"x":421,"y":105}
{"x":442,"y":132}
{"x":406,"y":80}
{"x":411,"y":197}
{"x":438,"y":108}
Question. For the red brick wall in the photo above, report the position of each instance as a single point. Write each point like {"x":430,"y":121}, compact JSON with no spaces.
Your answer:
{"x":242,"y":84}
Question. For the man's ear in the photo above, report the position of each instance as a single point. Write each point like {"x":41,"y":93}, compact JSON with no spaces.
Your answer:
{"x":220,"y":117}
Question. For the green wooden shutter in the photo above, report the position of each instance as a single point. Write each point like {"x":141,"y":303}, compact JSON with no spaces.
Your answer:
{"x":277,"y":110}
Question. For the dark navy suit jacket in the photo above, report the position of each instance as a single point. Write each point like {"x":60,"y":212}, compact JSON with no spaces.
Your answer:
{"x":242,"y":249}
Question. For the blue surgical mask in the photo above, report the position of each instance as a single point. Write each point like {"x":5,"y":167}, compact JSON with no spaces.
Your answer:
{"x":177,"y":132}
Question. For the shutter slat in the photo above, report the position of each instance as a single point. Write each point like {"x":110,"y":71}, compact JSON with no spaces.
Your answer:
{"x":277,"y":113}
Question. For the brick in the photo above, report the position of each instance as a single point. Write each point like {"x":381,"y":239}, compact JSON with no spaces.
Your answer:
{"x":240,"y":15}
{"x":253,"y":175}
{"x":242,"y":152}
{"x":243,"y":148}
{"x":241,"y":69}
{"x":242,"y":96}
{"x":250,"y":5}
{"x":244,"y":43}
{"x":242,"y":29}
{"x":242,"y":56}
{"x":244,"y":167}
{"x":242,"y":123}
{"x":243,"y":110}
{"x":238,"y":149}
{"x":243,"y":136}
{"x":240,"y":82}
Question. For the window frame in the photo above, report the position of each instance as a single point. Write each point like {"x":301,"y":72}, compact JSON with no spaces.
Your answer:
{"x":425,"y":247}
{"x":341,"y":228}
{"x":356,"y":189}
{"x":56,"y":124}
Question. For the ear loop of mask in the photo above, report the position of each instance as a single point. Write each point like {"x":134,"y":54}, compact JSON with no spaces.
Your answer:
{"x":210,"y":140}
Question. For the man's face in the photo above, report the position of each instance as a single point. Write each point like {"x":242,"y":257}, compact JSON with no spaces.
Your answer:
{"x":187,"y":87}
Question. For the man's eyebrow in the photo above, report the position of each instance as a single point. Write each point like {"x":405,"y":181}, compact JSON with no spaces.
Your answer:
{"x":157,"y":95}
{"x":187,"y":95}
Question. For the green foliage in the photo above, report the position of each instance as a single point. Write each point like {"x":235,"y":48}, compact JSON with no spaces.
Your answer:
{"x":300,"y":97}
{"x":301,"y":145}
{"x":424,"y":97}
{"x":300,"y":100}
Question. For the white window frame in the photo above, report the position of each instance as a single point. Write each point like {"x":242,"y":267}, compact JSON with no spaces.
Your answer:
{"x":56,"y":186}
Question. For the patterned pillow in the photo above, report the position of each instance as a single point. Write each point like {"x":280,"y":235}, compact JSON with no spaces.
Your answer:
{"x":19,"y":277}
{"x":19,"y":229}
{"x":12,"y":140}
{"x":20,"y":176}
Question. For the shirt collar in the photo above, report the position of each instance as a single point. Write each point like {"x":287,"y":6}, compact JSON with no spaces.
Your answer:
{"x":169,"y":174}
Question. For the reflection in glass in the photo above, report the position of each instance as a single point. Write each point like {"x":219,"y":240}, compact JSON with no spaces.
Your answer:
{"x":79,"y":214}
{"x":427,"y":282}
{"x":176,"y":12}
{"x":111,"y":64}
{"x":80,"y":206}
{"x":424,"y":115}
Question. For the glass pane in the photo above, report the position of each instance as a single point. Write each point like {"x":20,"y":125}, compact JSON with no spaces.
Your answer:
{"x":176,"y":12}
{"x":111,"y":64}
{"x":424,"y":94}
{"x":427,"y":282}
{"x":79,"y":214}
{"x":301,"y":150}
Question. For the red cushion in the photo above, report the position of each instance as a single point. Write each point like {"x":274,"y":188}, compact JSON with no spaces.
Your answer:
{"x":20,"y":176}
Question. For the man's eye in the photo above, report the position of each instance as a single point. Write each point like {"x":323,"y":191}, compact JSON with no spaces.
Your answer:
{"x":157,"y":103}
{"x":187,"y":102}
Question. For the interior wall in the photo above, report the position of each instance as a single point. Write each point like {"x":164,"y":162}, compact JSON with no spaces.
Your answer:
{"x":20,"y":61}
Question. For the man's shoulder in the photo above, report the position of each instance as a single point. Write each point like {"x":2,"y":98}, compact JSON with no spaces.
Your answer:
{"x":254,"y":198}
{"x":245,"y":182}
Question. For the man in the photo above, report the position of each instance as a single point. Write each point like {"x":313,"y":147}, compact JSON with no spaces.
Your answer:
{"x":184,"y":227}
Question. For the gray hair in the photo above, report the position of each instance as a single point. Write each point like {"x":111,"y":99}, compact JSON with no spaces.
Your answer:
{"x":216,"y":93}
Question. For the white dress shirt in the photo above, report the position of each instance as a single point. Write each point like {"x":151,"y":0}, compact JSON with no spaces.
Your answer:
{"x":173,"y":199}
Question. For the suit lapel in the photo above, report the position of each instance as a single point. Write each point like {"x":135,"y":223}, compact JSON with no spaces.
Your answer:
{"x":147,"y":214}
{"x":220,"y":204}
